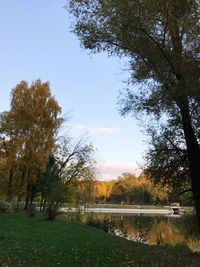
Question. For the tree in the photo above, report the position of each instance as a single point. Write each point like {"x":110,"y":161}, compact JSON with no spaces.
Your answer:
{"x":130,"y":189}
{"x":167,"y":160}
{"x":123,"y":188}
{"x":52,"y":188}
{"x":28,"y":132}
{"x":162,"y":41}
{"x":84,"y":191}
{"x":67,"y":167}
{"x":156,"y":191}
{"x":76,"y":161}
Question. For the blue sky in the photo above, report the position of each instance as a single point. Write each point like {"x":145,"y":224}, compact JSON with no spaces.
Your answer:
{"x":36,"y":43}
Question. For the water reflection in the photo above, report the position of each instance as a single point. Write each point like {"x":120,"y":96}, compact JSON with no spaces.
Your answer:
{"x":157,"y":230}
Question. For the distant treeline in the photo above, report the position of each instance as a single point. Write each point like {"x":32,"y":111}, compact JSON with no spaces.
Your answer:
{"x":128,"y":189}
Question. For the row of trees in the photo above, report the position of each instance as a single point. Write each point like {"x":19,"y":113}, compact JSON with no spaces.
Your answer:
{"x":35,"y":161}
{"x":127,"y":189}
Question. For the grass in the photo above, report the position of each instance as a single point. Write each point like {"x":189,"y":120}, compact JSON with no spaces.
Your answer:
{"x":29,"y":242}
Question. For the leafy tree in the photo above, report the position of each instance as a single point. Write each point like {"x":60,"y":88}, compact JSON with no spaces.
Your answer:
{"x":85,"y":191}
{"x":69,"y":165}
{"x":162,"y":41}
{"x":158,"y":192}
{"x":52,"y":188}
{"x":28,"y":132}
{"x":123,"y":188}
{"x":130,"y":189}
{"x":104,"y":189}
{"x":94,"y":191}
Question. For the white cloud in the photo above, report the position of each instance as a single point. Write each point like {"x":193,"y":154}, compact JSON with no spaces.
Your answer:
{"x":112,"y":171}
{"x":93,"y":130}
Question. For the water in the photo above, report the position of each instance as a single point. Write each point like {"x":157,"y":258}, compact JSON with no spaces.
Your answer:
{"x":158,"y":230}
{"x":150,"y":229}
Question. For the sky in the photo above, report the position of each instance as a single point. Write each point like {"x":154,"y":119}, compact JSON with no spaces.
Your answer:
{"x":36,"y":43}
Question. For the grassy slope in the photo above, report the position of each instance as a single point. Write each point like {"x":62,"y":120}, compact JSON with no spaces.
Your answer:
{"x":36,"y":242}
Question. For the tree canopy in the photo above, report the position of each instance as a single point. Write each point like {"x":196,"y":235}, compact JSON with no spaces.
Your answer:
{"x":161,"y":39}
{"x":28,"y":132}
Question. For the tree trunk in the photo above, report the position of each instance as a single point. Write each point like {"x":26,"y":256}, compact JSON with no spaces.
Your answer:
{"x":32,"y":196}
{"x":193,"y":150}
{"x":27,"y":201}
{"x":21,"y":186}
{"x":10,"y":180}
{"x":44,"y":205}
{"x":30,"y":191}
{"x":41,"y":202}
{"x":27,"y":197}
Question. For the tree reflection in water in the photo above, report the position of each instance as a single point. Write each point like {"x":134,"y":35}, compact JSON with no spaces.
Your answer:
{"x":159,"y":230}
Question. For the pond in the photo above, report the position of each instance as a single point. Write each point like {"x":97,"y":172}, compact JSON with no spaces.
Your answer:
{"x":150,"y":229}
{"x":158,"y":230}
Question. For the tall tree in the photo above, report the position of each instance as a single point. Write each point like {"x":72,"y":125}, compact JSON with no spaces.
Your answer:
{"x":29,"y":130}
{"x":162,"y":40}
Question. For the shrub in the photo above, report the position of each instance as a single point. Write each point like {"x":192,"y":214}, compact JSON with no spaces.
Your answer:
{"x":55,"y":198}
{"x":104,"y":223}
{"x":52,"y":211}
{"x":32,"y":210}
{"x":6,"y":206}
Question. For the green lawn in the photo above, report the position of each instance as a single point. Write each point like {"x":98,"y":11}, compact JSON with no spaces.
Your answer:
{"x":32,"y":242}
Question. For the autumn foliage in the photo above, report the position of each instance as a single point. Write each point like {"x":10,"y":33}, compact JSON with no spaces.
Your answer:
{"x":125,"y":189}
{"x":28,"y":133}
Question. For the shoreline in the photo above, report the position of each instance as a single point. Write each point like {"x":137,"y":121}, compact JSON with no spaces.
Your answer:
{"x":120,"y":211}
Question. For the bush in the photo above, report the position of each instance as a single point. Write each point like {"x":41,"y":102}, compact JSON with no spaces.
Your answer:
{"x":6,"y":206}
{"x":56,"y":196}
{"x":104,"y":224}
{"x":52,"y":211}
{"x":32,"y":210}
